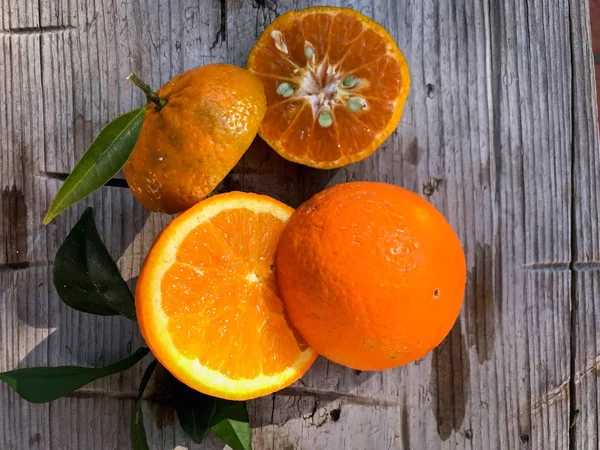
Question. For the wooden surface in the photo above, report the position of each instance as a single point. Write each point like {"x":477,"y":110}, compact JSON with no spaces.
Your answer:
{"x":502,"y":112}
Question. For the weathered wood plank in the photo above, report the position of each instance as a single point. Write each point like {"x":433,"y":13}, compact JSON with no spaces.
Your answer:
{"x":23,"y":323}
{"x":531,"y":173}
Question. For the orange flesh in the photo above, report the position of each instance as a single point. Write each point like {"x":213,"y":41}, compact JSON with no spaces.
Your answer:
{"x":314,"y":51}
{"x":222,"y":300}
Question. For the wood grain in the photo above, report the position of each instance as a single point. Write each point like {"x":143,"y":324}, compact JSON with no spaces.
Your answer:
{"x":499,"y":133}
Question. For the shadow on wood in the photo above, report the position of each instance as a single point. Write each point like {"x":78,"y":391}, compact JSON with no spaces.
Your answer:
{"x":262,"y":171}
{"x":83,"y":350}
{"x":450,"y":382}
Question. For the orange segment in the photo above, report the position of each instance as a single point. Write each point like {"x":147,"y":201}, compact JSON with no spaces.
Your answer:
{"x":385,"y":79}
{"x":346,"y":29}
{"x":297,"y":136}
{"x":325,"y":142}
{"x":269,"y":61}
{"x":315,"y":32}
{"x":293,"y":38}
{"x":281,"y":116}
{"x":376,"y":120}
{"x":335,"y":82}
{"x":207,"y":301}
{"x":357,"y":135}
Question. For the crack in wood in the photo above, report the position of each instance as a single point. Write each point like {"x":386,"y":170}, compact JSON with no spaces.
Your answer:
{"x":29,"y":31}
{"x":270,"y":5}
{"x":221,"y":35}
{"x":562,"y":266}
{"x":14,"y":266}
{"x":590,"y":266}
{"x":557,"y":266}
{"x":333,"y":395}
{"x":21,"y":265}
{"x":113,"y":182}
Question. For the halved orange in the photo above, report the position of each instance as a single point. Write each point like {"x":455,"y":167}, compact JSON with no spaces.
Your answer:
{"x":207,"y":302}
{"x":336,"y":84}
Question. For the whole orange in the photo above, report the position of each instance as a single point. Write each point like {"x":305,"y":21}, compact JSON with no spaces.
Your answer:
{"x":371,"y":275}
{"x":186,"y":148}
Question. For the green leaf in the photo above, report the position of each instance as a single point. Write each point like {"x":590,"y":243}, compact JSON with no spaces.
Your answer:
{"x":44,"y":384}
{"x":575,"y":418}
{"x":230,"y":422}
{"x":138,"y":432}
{"x":100,"y":162}
{"x":194,"y":410}
{"x":198,"y":412}
{"x":86,"y":277}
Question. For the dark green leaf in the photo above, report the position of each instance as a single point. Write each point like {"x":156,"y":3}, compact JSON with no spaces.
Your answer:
{"x":230,"y":423}
{"x":44,"y":384}
{"x":194,"y":410}
{"x":86,"y":277}
{"x":138,"y":432}
{"x":198,"y":412}
{"x":100,"y":162}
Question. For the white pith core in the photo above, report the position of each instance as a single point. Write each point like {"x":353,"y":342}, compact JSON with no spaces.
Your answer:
{"x":322,"y":84}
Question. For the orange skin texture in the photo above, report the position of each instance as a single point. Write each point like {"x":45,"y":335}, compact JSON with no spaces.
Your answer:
{"x":371,"y":275}
{"x":185,"y":150}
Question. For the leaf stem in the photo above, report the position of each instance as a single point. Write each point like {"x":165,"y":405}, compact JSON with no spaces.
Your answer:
{"x":150,"y":94}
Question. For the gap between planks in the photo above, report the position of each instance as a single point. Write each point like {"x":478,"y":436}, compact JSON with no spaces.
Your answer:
{"x":290,"y":391}
{"x":572,"y":387}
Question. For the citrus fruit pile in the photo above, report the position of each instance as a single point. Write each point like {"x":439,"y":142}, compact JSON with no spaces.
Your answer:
{"x":240,"y":293}
{"x":369,"y":275}
{"x":323,"y":87}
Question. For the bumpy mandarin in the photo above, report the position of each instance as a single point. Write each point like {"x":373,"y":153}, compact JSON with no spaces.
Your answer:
{"x":186,"y":148}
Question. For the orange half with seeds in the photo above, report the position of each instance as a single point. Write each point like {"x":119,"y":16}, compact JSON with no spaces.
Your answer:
{"x":207,"y":301}
{"x":336,"y":84}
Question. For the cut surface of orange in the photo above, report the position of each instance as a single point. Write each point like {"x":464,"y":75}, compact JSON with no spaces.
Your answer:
{"x":207,"y":302}
{"x":336,"y":84}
